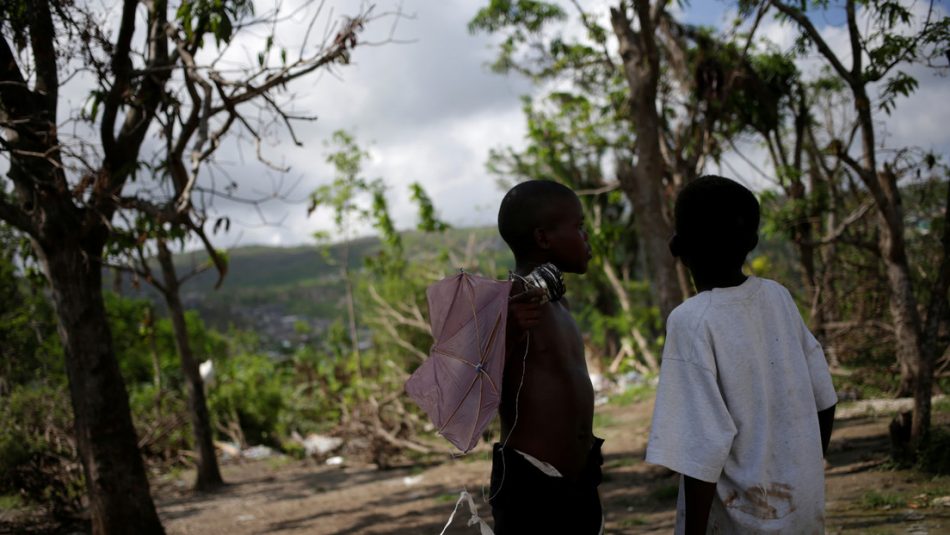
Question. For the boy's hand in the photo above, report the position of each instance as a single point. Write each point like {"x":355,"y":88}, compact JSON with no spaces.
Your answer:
{"x":524,"y":309}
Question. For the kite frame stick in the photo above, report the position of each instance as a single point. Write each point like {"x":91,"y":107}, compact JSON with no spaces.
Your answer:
{"x":481,"y":360}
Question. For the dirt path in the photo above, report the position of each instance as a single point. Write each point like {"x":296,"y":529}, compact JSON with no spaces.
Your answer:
{"x":296,"y":497}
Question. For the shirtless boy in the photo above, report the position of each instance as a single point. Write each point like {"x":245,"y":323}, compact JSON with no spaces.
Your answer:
{"x":546,"y":469}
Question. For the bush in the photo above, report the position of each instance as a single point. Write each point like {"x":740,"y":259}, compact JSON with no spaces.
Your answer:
{"x":934,"y":457}
{"x":249,"y":399}
{"x":162,"y":424}
{"x":38,"y":457}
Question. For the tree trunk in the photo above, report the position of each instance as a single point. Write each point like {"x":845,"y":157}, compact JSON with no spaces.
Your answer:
{"x":208,"y":474}
{"x":903,"y":303}
{"x":936,"y":312}
{"x":642,"y":181}
{"x":903,"y":306}
{"x":118,"y":488}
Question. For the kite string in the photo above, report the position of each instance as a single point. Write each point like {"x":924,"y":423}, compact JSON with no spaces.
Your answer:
{"x":524,"y":365}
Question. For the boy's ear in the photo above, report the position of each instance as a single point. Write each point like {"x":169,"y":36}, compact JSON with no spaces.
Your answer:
{"x":541,"y":239}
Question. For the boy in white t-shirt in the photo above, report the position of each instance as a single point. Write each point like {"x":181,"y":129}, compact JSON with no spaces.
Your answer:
{"x":745,"y":403}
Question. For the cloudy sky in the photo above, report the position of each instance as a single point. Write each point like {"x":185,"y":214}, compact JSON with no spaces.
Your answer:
{"x":428,"y":109}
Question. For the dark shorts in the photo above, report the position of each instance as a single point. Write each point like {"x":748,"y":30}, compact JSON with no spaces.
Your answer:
{"x":531,"y":501}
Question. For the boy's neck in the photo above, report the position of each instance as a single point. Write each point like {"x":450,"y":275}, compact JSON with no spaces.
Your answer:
{"x":728,"y":279}
{"x":523,"y":266}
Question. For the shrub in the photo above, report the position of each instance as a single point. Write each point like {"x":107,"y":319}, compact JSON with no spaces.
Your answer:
{"x":37,"y":452}
{"x":249,"y":397}
{"x":162,"y":423}
{"x":934,"y":457}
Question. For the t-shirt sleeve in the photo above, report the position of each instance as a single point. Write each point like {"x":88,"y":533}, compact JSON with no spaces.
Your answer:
{"x":821,"y":383}
{"x":692,"y":430}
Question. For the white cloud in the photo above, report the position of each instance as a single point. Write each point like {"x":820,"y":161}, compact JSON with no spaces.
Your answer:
{"x":430,"y":111}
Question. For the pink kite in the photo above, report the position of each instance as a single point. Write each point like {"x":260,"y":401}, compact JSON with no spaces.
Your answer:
{"x":459,"y":385}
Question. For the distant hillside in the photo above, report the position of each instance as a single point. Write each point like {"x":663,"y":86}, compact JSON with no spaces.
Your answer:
{"x":273,"y":289}
{"x":258,"y":267}
{"x":263,"y":267}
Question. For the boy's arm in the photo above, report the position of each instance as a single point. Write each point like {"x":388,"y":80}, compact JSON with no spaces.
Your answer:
{"x":826,"y":420}
{"x":698,"y":500}
{"x":524,"y":311}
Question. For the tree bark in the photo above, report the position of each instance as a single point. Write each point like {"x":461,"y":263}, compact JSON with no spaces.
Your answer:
{"x":642,"y":181}
{"x":118,"y":488}
{"x":68,"y":241}
{"x":903,"y":303}
{"x":208,"y":474}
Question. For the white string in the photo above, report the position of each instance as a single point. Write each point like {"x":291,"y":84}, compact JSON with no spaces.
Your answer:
{"x":475,"y":518}
{"x":524,"y":363}
{"x":483,"y":526}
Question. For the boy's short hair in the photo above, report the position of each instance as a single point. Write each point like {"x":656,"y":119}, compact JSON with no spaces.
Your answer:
{"x":716,"y":212}
{"x":526,"y":207}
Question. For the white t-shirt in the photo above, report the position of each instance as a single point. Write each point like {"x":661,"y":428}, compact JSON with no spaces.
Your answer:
{"x":741,"y":383}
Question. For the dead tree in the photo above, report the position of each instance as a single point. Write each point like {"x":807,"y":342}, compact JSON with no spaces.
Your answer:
{"x":875,"y":52}
{"x":65,"y":198}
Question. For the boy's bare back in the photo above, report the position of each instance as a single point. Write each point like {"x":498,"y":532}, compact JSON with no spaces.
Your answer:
{"x":556,"y":403}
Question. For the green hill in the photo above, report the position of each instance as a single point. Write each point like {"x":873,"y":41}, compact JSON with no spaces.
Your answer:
{"x":272,"y":289}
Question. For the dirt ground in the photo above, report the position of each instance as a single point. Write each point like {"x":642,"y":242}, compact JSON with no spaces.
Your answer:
{"x":296,"y":497}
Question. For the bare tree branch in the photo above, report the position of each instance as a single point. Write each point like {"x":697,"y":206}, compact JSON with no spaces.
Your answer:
{"x":803,"y":21}
{"x":855,"y":216}
{"x":121,"y":69}
{"x":219,"y":262}
{"x":338,"y":52}
{"x":855,"y":38}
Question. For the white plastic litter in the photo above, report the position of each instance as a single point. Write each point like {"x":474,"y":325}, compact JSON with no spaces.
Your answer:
{"x":206,"y":370}
{"x":943,"y":501}
{"x":334,"y":461}
{"x":229,"y":450}
{"x":483,"y":527}
{"x":257,"y":452}
{"x":316,"y":444}
{"x":598,"y":382}
{"x":411,"y":480}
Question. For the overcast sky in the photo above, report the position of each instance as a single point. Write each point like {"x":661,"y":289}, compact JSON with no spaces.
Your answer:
{"x":429,"y":110}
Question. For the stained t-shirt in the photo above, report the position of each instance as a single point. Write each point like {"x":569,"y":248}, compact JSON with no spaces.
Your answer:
{"x":741,"y":383}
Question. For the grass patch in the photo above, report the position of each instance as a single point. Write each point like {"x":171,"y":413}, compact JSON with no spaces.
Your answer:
{"x":873,"y":499}
{"x":448,"y":497}
{"x":634,"y":394}
{"x":9,"y":502}
{"x":417,"y":469}
{"x":621,"y":462}
{"x":602,"y":420}
{"x":477,"y":456}
{"x":941,"y":406}
{"x":666,"y":492}
{"x":279,"y":461}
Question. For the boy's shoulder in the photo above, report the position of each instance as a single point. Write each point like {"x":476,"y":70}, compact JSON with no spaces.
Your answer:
{"x":693,"y":312}
{"x":689,"y":313}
